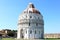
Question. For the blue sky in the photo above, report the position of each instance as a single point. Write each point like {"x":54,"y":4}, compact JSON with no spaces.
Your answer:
{"x":11,"y":9}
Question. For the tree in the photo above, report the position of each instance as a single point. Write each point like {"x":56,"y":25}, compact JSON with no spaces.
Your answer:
{"x":0,"y":34}
{"x":14,"y":30}
{"x":11,"y":34}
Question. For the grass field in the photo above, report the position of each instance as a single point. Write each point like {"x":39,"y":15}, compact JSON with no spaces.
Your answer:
{"x":7,"y":38}
{"x":51,"y":39}
{"x":21,"y":39}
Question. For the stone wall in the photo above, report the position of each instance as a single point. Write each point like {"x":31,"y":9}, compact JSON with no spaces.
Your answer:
{"x":55,"y":35}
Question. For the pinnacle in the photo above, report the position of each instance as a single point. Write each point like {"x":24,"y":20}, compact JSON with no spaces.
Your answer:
{"x":31,"y":5}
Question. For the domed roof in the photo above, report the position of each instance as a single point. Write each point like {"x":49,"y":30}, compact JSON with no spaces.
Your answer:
{"x":31,"y":9}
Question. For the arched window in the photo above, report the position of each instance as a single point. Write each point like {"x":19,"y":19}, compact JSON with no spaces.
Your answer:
{"x":30,"y":31}
{"x":29,"y":23}
{"x":30,"y":16}
{"x":21,"y":30}
{"x":35,"y":31}
{"x":26,"y":31}
{"x":30,"y":11}
{"x":36,"y":24}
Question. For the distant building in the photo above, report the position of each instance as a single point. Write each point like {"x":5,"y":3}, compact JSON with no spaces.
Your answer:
{"x":52,"y":35}
{"x":4,"y":32}
{"x":30,"y":24}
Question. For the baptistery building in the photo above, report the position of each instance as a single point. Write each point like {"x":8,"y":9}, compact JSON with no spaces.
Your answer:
{"x":30,"y":24}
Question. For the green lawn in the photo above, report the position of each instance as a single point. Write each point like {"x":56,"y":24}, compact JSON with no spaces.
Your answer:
{"x":7,"y":38}
{"x":21,"y":39}
{"x":52,"y":39}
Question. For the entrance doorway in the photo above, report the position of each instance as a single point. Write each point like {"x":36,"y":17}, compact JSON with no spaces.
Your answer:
{"x":22,"y":33}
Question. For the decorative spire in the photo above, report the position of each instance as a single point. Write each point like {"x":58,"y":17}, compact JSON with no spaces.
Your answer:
{"x":31,"y":9}
{"x":31,"y":5}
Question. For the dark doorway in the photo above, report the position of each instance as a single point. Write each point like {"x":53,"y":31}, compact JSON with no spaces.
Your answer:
{"x":22,"y":33}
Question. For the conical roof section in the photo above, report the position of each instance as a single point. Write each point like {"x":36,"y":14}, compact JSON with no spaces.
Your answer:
{"x":31,"y":9}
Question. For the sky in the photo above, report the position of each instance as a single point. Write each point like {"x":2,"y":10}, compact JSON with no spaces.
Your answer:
{"x":11,"y":9}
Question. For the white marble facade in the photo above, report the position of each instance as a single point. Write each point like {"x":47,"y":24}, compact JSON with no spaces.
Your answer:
{"x":30,"y":24}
